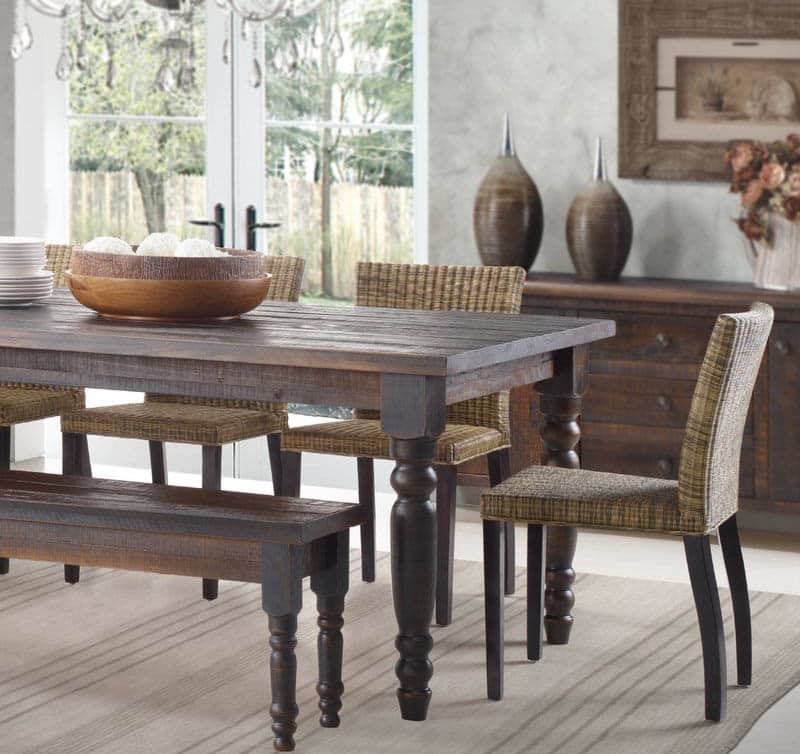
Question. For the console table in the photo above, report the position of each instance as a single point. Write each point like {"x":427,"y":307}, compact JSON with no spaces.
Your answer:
{"x":642,"y":381}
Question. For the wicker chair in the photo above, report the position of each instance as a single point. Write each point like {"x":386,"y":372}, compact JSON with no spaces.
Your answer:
{"x":704,"y":498}
{"x":210,"y":423}
{"x":26,"y":403}
{"x":475,"y":428}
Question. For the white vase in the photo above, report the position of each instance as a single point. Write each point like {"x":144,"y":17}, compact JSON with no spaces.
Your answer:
{"x":776,"y":262}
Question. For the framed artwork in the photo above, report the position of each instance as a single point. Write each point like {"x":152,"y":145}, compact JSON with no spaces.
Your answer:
{"x":695,"y":75}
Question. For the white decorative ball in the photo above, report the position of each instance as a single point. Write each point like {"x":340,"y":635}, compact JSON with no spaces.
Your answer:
{"x":108,"y":245}
{"x":159,"y":245}
{"x":197,"y":247}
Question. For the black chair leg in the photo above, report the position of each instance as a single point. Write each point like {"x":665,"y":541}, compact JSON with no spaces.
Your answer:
{"x":737,"y":580}
{"x":5,"y":464}
{"x":212,"y":480}
{"x":75,"y":461}
{"x":366,"y":499}
{"x":158,"y":462}
{"x":499,"y":471}
{"x":493,"y":566}
{"x":291,"y":464}
{"x":712,"y":630}
{"x":445,"y":542}
{"x":537,"y":537}
{"x":275,"y":465}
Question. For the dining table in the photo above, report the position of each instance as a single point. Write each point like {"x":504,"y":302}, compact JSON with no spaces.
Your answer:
{"x":408,"y":364}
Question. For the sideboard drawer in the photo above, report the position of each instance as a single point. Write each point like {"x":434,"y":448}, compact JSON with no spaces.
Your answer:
{"x":653,"y":338}
{"x":625,"y":399}
{"x":625,"y":449}
{"x":645,"y":401}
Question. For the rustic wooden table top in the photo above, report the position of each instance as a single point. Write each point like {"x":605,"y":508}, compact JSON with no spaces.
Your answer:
{"x":286,"y":352}
{"x":357,"y":338}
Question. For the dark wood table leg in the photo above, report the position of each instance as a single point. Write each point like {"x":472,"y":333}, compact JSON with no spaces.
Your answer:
{"x":282,"y":568}
{"x":330,"y":586}
{"x":413,"y":415}
{"x":560,"y":403}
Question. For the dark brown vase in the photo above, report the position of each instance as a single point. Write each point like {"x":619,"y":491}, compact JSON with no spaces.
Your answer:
{"x":507,"y":219}
{"x":599,"y":228}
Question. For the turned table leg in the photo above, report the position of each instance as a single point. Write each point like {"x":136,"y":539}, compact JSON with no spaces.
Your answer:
{"x":412,"y":414}
{"x":560,"y":403}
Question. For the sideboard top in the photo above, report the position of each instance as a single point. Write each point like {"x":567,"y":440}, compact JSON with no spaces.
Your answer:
{"x":701,"y":293}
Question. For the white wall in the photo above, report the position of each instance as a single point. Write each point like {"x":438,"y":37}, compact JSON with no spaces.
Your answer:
{"x":6,"y":127}
{"x":553,"y":65}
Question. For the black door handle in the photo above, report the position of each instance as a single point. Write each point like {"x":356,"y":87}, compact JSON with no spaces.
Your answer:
{"x":218,"y":223}
{"x":253,"y":226}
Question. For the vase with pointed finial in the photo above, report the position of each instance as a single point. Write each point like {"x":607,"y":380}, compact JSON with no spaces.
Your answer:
{"x":507,"y":217}
{"x":599,"y":227}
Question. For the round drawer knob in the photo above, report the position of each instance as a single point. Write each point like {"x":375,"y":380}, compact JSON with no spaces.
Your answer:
{"x":663,"y":341}
{"x":665,"y":466}
{"x":782,"y":347}
{"x":664,"y":403}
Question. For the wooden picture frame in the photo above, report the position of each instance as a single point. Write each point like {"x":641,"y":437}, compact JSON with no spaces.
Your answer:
{"x":643,"y":26}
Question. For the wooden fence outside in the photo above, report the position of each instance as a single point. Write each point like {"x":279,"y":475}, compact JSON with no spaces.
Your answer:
{"x":373,"y":223}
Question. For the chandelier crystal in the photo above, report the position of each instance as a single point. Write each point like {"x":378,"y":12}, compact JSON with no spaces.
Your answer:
{"x":172,"y":74}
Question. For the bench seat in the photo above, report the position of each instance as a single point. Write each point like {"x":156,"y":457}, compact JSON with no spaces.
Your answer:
{"x":156,"y":528}
{"x":274,"y":541}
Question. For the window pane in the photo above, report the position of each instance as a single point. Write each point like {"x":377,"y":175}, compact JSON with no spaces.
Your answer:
{"x":363,"y":209}
{"x":131,"y":179}
{"x":346,"y":61}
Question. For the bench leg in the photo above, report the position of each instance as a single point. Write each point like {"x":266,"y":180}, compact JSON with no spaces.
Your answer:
{"x":75,"y":461}
{"x":212,"y":480}
{"x":330,"y":586}
{"x":281,"y":598}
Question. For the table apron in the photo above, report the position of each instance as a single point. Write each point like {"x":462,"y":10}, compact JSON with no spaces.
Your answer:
{"x":208,"y":379}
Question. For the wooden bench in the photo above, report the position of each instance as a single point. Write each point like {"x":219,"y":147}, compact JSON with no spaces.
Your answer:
{"x":225,"y":535}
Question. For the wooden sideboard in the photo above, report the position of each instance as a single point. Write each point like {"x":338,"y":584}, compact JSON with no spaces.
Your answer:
{"x":642,"y":381}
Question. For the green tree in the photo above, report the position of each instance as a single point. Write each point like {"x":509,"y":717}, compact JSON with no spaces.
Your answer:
{"x":124,"y":83}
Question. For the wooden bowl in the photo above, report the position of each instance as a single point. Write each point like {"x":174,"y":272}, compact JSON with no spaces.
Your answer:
{"x":237,"y":265}
{"x":168,"y":300}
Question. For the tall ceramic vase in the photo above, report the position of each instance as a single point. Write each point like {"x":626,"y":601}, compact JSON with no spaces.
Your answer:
{"x":776,"y":262}
{"x":599,"y":227}
{"x":507,"y":218}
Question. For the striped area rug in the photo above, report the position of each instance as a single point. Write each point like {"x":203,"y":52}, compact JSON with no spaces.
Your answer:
{"x":129,"y":663}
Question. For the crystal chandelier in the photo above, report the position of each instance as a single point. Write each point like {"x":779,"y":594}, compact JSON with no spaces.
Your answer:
{"x":171,"y":74}
{"x":177,"y":69}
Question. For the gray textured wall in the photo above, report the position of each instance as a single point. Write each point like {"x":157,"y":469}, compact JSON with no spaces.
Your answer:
{"x":6,"y":122}
{"x":553,"y":65}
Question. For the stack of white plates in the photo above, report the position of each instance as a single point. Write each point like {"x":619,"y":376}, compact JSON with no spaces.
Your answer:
{"x":22,"y":279}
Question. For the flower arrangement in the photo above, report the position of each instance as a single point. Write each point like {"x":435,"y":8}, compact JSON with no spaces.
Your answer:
{"x":768,"y":179}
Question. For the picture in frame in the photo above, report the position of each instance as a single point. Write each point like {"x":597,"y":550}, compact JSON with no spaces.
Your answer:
{"x":697,"y":75}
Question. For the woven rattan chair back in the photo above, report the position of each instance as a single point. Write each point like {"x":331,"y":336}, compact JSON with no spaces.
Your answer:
{"x":447,"y":288}
{"x":287,"y":280}
{"x":708,"y":479}
{"x":58,"y":259}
